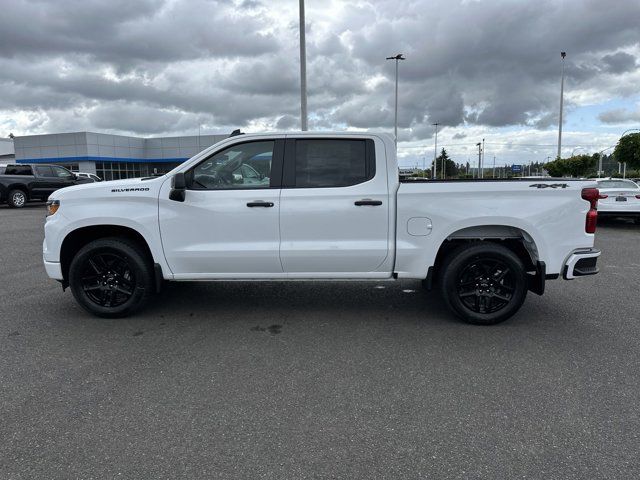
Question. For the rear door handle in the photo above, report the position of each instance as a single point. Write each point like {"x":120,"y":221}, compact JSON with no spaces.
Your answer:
{"x":260,"y":203}
{"x":366,"y":201}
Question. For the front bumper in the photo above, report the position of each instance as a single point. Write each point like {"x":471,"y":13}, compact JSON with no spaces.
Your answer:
{"x":54,"y":270}
{"x":581,"y":264}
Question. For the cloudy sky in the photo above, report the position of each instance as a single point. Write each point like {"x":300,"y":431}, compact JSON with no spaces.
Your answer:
{"x":481,"y":68}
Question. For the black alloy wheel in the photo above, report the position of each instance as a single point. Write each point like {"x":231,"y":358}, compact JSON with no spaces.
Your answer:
{"x":108,"y":279}
{"x":112,"y":277}
{"x":483,"y":283}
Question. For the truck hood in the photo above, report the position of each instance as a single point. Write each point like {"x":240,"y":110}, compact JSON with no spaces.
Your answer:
{"x":99,"y":189}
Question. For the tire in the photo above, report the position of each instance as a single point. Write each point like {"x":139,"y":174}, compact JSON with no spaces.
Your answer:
{"x":483,"y":283}
{"x":111,"y":277}
{"x":17,"y":198}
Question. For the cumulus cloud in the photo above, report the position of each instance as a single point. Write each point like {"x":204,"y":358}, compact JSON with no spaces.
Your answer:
{"x":151,"y":67}
{"x":620,"y":115}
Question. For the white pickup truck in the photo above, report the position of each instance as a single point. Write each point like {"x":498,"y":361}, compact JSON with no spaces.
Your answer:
{"x":318,"y":206}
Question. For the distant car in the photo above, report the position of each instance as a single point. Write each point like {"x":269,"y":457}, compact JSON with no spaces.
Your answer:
{"x":22,"y":182}
{"x":619,"y":198}
{"x":91,"y":176}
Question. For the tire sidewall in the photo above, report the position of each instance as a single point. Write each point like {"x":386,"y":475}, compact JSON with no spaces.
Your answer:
{"x":137,"y":262}
{"x":461,"y":259}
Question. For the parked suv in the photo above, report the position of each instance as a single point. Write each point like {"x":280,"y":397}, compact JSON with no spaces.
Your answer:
{"x":21,"y":183}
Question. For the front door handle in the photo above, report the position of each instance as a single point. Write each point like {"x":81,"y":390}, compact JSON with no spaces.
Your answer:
{"x":366,"y":201}
{"x":260,"y":203}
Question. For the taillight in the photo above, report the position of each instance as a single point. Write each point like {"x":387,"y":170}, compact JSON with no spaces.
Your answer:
{"x":591,"y":195}
{"x":592,"y":221}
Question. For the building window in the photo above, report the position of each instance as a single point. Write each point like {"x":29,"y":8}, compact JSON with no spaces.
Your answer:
{"x":120,"y":170}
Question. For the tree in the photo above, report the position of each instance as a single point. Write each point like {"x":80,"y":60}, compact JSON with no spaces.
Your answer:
{"x":628,"y":150}
{"x":450,"y":167}
{"x":576,"y":166}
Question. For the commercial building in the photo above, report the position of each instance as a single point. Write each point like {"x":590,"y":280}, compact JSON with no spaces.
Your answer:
{"x":111,"y":157}
{"x":6,"y":151}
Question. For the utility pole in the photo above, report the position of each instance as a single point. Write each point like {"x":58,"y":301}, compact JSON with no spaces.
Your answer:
{"x":562,"y":54}
{"x":434,"y":174}
{"x":395,"y":128}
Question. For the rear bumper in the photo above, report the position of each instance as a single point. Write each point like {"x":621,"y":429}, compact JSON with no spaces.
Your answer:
{"x":581,"y":264}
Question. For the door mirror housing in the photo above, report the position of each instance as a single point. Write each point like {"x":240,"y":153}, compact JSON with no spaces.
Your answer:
{"x":178,"y":187}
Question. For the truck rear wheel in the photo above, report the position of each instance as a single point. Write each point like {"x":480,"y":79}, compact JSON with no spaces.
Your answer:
{"x":483,"y":283}
{"x":111,"y":277}
{"x":17,"y":198}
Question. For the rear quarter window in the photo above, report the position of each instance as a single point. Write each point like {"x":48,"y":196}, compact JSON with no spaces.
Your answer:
{"x":18,"y":170}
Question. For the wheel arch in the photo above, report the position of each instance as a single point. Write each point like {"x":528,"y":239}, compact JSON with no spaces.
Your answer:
{"x":513,"y":238}
{"x":78,"y":238}
{"x":18,"y":186}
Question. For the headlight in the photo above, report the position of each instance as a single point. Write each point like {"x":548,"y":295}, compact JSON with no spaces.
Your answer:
{"x":52,"y":207}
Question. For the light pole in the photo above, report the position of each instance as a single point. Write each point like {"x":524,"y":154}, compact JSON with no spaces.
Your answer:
{"x":482,"y":174}
{"x":303,"y":71}
{"x":562,"y":54}
{"x":600,"y":159}
{"x":435,"y":154}
{"x":395,"y":129}
{"x":494,"y":167}
{"x":479,"y":145}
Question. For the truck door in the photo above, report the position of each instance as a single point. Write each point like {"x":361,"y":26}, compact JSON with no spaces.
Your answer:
{"x":64,"y":177}
{"x":334,"y":207}
{"x":227,"y":225}
{"x":45,"y":183}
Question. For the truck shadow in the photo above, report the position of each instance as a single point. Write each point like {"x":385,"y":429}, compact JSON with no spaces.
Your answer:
{"x":617,"y":223}
{"x":277,"y":300}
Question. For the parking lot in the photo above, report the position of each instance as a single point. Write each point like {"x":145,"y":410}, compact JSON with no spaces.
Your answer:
{"x":308,"y":380}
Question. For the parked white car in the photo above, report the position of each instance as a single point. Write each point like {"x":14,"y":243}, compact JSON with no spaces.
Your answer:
{"x":619,"y":198}
{"x":91,"y":176}
{"x":318,"y":206}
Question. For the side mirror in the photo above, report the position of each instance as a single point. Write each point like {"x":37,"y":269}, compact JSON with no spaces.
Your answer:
{"x":178,"y":188}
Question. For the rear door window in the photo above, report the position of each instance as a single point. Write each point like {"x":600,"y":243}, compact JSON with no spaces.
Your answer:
{"x":333,"y":162}
{"x":44,"y":171}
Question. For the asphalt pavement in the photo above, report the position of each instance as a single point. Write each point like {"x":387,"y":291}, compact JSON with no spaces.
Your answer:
{"x":318,"y":380}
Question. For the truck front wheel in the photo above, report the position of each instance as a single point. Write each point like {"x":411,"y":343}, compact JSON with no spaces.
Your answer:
{"x":17,"y":198}
{"x":483,"y":283}
{"x":111,"y":277}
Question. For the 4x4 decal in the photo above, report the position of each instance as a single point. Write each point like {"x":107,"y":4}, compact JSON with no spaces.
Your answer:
{"x":549,"y":185}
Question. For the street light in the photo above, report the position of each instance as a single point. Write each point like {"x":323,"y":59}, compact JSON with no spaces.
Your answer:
{"x":303,"y":71}
{"x":479,"y":145}
{"x":600,"y":159}
{"x":562,"y":54}
{"x":396,"y":58}
{"x":435,"y":154}
{"x":482,"y":175}
{"x":577,"y":148}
